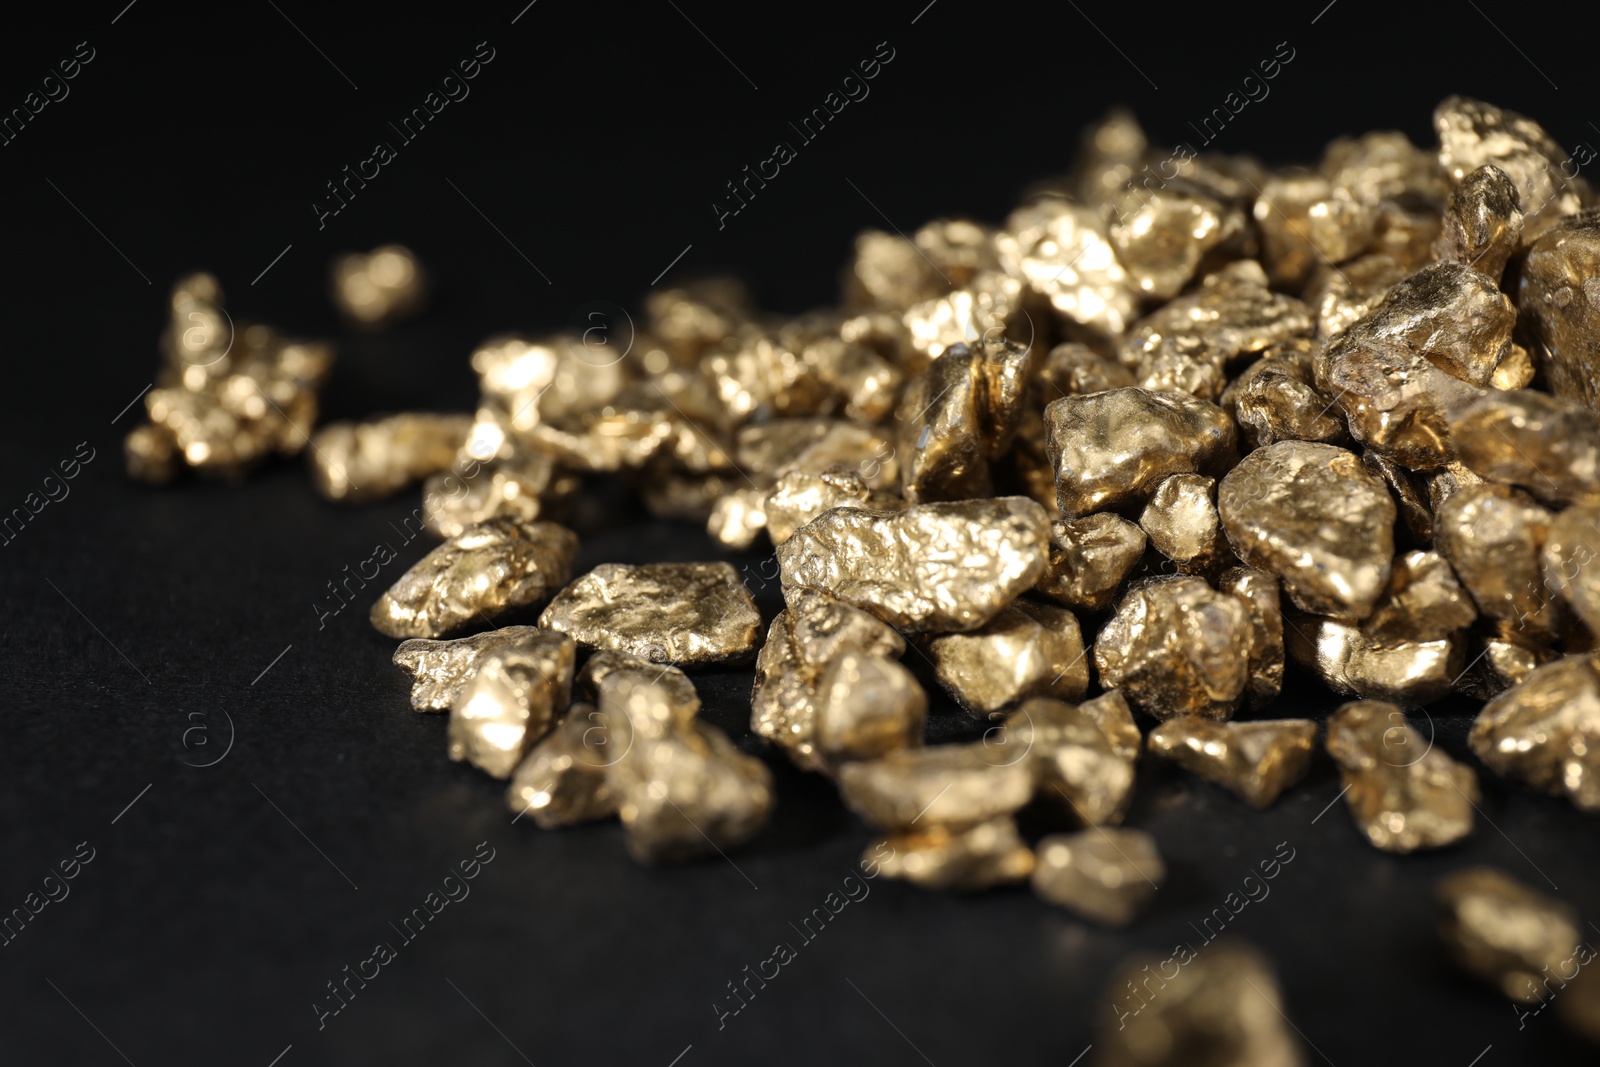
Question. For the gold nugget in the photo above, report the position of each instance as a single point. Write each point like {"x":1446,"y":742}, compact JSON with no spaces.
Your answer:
{"x":1545,"y":730}
{"x":379,"y":288}
{"x":929,"y":568}
{"x":1105,"y":875}
{"x":441,"y":669}
{"x":510,"y":702}
{"x":1029,"y":649}
{"x":965,"y":859}
{"x":691,"y":614}
{"x":1257,"y":760}
{"x":480,"y":575}
{"x":1404,"y":793}
{"x":1505,"y":933}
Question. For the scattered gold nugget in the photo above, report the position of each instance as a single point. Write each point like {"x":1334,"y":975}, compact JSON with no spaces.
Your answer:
{"x":1104,"y":875}
{"x":945,"y":785}
{"x":1029,"y":649}
{"x":1222,"y":1006}
{"x":1405,"y":793}
{"x":1082,"y":755}
{"x":1257,"y":760}
{"x":512,"y":700}
{"x":1545,"y":730}
{"x":441,"y":669}
{"x":358,"y":462}
{"x":1503,"y":932}
{"x":969,"y":858}
{"x":930,"y":568}
{"x":690,"y":614}
{"x":479,"y":575}
{"x":379,"y":288}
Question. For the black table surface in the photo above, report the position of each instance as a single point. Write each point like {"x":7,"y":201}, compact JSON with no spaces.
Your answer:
{"x":261,"y":805}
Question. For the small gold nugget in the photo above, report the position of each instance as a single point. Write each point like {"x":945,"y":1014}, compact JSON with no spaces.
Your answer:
{"x":562,"y":782}
{"x":358,"y":462}
{"x":1572,"y":544}
{"x":1029,"y":649}
{"x":379,"y":288}
{"x":1545,"y":730}
{"x":479,"y":575}
{"x":1187,"y":345}
{"x":690,"y":614}
{"x":1494,"y":538}
{"x":227,"y":395}
{"x":1110,"y":449}
{"x":1257,"y":760}
{"x":683,"y":789}
{"x":1082,"y":756}
{"x":965,"y":859}
{"x":1505,"y":933}
{"x":1564,"y":322}
{"x":946,"y":785}
{"x":803,"y":644}
{"x":1315,"y":517}
{"x":930,"y":568}
{"x":1178,"y":647}
{"x":441,"y":669}
{"x":511,"y":701}
{"x":1223,"y":1006}
{"x":1404,"y":793}
{"x":1105,"y":875}
{"x":1089,"y":558}
{"x":1181,"y":523}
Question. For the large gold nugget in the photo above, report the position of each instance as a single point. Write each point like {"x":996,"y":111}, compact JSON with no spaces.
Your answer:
{"x":1571,"y":546}
{"x":1393,"y":399}
{"x":1452,"y":315}
{"x":1222,"y":1007}
{"x":1515,"y":939}
{"x":477,"y":576}
{"x":1089,"y":558}
{"x":1187,"y":345}
{"x":1554,"y":297}
{"x":1082,"y":755}
{"x":1404,"y":793}
{"x":1029,"y":649}
{"x":356,"y":462}
{"x":1541,"y":443}
{"x":1545,"y":730}
{"x":562,"y":782}
{"x":947,"y":785}
{"x":867,"y":707}
{"x":1494,"y":537}
{"x":931,"y":568}
{"x":511,"y":701}
{"x":1409,"y":672}
{"x":1314,"y":516}
{"x":1105,"y":875}
{"x":1257,"y":760}
{"x":1177,"y":647}
{"x":1482,"y":222}
{"x":688,"y":614}
{"x":1473,"y":133}
{"x":1110,"y":449}
{"x":441,"y":669}
{"x":937,"y":857}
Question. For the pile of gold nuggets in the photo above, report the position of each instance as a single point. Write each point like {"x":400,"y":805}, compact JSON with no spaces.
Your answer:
{"x":1177,"y":417}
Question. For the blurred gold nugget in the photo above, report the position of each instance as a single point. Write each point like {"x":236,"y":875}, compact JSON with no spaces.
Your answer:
{"x":1404,"y":793}
{"x":365,"y":461}
{"x":1104,"y":875}
{"x":376,"y":289}
{"x":227,"y":395}
{"x":1506,"y":934}
{"x":1257,"y":760}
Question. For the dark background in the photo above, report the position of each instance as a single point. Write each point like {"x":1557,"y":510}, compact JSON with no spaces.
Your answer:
{"x":595,"y":141}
